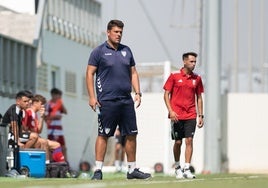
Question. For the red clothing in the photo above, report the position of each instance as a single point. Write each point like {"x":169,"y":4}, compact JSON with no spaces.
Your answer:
{"x":31,"y":120}
{"x":52,"y":109}
{"x":55,"y":107}
{"x":54,"y":127}
{"x":183,"y":91}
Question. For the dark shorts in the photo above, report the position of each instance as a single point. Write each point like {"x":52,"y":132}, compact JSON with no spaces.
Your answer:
{"x":119,"y":113}
{"x":24,"y":137}
{"x":183,"y":129}
{"x":120,"y":140}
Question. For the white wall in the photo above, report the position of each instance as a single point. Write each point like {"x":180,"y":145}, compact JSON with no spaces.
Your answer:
{"x":247,"y":131}
{"x":246,"y":134}
{"x":80,"y":123}
{"x":154,"y":140}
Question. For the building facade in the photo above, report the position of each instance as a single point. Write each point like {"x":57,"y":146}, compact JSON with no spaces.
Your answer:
{"x":65,"y":32}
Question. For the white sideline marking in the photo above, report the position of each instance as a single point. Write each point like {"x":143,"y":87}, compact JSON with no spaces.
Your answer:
{"x":98,"y":184}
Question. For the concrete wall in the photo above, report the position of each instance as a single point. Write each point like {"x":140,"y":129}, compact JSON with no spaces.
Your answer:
{"x":246,"y":134}
{"x":247,"y":131}
{"x":80,"y":124}
{"x":154,"y":140}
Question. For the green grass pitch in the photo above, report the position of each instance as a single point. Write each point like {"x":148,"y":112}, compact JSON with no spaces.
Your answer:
{"x":157,"y":181}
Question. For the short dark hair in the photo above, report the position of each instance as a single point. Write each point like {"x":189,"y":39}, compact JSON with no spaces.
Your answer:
{"x":186,"y":55}
{"x":30,"y":94}
{"x":55,"y":91}
{"x":24,"y":93}
{"x":115,"y":23}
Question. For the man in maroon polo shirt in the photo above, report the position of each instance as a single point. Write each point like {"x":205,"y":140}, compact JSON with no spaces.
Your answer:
{"x":183,"y":90}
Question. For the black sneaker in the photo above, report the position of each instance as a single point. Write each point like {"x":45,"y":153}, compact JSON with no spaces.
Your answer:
{"x":97,"y":175}
{"x":137,"y":174}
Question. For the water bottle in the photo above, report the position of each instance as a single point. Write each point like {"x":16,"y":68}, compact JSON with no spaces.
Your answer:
{"x":98,"y":110}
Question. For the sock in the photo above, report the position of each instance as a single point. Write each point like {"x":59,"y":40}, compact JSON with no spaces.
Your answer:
{"x":122,"y":163}
{"x":131,"y":166}
{"x":117,"y":164}
{"x":177,"y":164}
{"x":57,"y":155}
{"x":99,"y":165}
{"x":187,"y":166}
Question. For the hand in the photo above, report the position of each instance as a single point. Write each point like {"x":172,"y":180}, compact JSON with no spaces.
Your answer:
{"x":42,"y":111}
{"x":93,"y":103}
{"x":173,"y":116}
{"x":21,"y":145}
{"x":137,"y":101}
{"x":200,"y":122}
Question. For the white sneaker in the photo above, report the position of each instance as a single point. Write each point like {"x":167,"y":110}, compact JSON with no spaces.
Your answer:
{"x":188,"y":174}
{"x":118,"y":169}
{"x":179,"y":173}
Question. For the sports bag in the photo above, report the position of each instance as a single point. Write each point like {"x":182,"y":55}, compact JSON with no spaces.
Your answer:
{"x":57,"y":170}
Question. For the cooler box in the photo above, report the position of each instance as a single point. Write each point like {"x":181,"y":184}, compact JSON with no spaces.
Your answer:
{"x":33,"y":162}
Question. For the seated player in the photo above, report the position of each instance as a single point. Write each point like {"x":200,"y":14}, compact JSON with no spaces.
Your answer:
{"x":14,"y":116}
{"x":35,"y":124}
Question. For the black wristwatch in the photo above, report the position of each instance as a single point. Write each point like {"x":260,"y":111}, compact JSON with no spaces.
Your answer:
{"x":140,"y":94}
{"x":202,"y":116}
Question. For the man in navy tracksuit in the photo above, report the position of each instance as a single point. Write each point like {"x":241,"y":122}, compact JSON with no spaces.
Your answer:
{"x":114,"y":66}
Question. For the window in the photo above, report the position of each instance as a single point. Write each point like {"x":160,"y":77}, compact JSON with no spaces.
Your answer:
{"x":42,"y":77}
{"x":55,"y":77}
{"x":70,"y":82}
